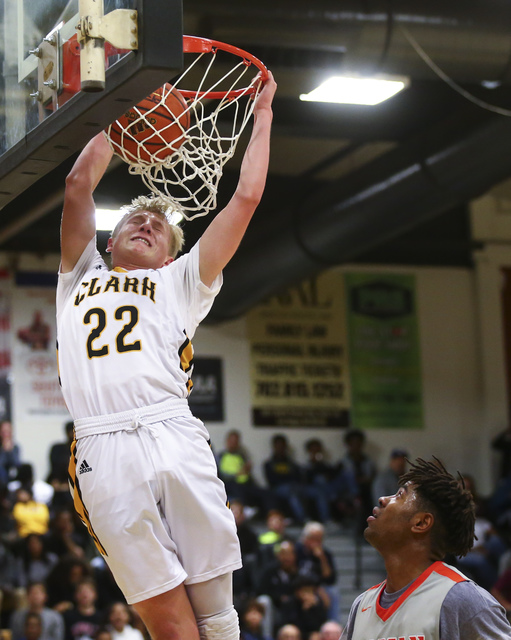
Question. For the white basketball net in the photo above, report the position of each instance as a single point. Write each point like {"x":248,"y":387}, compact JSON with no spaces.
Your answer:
{"x":188,"y":178}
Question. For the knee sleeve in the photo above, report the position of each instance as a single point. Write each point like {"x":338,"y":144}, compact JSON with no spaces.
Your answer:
{"x":221,"y":626}
{"x":210,"y":597}
{"x":212,"y":605}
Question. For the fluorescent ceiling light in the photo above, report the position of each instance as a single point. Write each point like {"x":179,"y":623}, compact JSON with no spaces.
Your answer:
{"x":106,"y":219}
{"x":355,"y":90}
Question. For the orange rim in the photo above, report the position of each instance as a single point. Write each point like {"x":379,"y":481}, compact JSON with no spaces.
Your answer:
{"x":196,"y":44}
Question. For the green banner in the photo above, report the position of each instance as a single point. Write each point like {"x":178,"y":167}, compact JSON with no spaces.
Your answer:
{"x":384,"y":351}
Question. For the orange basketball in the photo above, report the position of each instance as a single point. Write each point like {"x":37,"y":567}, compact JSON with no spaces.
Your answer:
{"x":155,"y":123}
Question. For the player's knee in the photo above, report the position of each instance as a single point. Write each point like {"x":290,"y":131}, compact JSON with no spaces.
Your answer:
{"x":221,"y":626}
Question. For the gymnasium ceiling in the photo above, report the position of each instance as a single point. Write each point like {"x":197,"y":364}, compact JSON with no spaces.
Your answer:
{"x":387,"y":184}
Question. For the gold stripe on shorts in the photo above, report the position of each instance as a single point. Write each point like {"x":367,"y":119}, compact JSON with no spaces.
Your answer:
{"x":81,"y":510}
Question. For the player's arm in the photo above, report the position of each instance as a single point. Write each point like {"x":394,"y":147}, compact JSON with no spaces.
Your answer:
{"x":222,"y":237}
{"x":78,"y":218}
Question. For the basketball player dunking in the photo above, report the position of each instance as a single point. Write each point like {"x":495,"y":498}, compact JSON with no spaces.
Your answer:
{"x":143,"y":475}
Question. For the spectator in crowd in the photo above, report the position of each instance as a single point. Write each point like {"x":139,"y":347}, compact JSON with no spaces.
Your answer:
{"x":137,"y":623}
{"x":235,"y":469}
{"x":251,"y":622}
{"x":59,"y":462}
{"x":30,"y":516}
{"x":501,"y":590}
{"x":318,"y":475}
{"x":59,"y":457}
{"x":82,"y":621}
{"x":317,"y":563}
{"x":278,"y":578}
{"x":345,"y":502}
{"x":10,"y":455}
{"x":330,"y":630}
{"x":10,"y":585}
{"x":34,"y":561}
{"x":308,"y":606}
{"x":247,"y":536}
{"x":274,"y":534}
{"x":103,"y":633}
{"x":8,"y":533}
{"x":502,"y":443}
{"x":499,"y":506}
{"x":357,"y":462}
{"x":63,"y":579}
{"x":108,"y":590}
{"x":386,"y":482}
{"x":289,"y":632}
{"x":33,"y":627}
{"x":284,"y":478}
{"x":481,"y":563}
{"x":41,"y":491}
{"x":244,"y":578}
{"x":51,"y":621}
{"x":119,"y":623}
{"x":312,"y":557}
{"x":63,"y":538}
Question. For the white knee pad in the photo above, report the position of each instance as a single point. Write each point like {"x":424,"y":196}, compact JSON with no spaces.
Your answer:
{"x":221,"y":626}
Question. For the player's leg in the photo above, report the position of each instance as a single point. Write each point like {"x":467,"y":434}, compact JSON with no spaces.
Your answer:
{"x":212,"y":603}
{"x":169,"y":616}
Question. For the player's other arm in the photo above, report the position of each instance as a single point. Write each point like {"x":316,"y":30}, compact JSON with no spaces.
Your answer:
{"x":78,"y":218}
{"x":222,"y":237}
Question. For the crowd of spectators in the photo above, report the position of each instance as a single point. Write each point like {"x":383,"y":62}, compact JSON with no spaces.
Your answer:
{"x":55,"y":586}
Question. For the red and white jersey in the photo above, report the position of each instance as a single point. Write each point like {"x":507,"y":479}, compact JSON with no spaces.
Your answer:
{"x":416,"y":613}
{"x":123,"y":337}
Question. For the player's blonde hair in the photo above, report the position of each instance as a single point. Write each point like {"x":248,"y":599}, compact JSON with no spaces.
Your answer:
{"x":159,"y":206}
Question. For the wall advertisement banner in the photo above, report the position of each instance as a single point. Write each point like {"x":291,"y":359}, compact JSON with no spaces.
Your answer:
{"x":384,"y":351}
{"x":206,"y":400}
{"x":298,"y":357}
{"x":37,"y":394}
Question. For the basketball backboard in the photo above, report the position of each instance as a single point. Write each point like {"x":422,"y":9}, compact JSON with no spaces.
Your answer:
{"x":44,"y":114}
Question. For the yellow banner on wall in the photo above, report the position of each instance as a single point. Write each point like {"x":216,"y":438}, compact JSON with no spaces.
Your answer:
{"x":299,"y":372}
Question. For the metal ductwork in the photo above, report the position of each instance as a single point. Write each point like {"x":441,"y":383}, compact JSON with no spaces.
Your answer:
{"x":468,"y":39}
{"x":453,"y":162}
{"x":444,"y":167}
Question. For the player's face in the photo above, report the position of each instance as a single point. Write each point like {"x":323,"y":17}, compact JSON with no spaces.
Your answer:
{"x":142,"y":242}
{"x":391,"y":520}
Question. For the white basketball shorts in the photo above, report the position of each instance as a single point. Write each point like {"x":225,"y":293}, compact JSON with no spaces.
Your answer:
{"x":148,"y":491}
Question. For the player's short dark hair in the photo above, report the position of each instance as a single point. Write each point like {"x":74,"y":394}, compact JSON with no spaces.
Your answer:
{"x":449,"y":501}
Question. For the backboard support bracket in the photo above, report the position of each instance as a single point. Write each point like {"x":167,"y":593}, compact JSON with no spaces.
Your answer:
{"x":35,"y":144}
{"x":49,"y":69}
{"x":119,"y":28}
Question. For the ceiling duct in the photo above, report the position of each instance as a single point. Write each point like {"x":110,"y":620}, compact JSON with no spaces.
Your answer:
{"x":444,"y":167}
{"x":468,"y":39}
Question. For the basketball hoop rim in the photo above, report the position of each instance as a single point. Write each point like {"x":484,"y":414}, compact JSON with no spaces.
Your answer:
{"x":196,"y":44}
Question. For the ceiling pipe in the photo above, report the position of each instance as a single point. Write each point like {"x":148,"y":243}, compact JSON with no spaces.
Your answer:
{"x":468,"y":39}
{"x":445,"y":167}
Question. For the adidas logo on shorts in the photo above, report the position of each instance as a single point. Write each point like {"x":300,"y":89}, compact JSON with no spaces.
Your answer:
{"x":84,"y":468}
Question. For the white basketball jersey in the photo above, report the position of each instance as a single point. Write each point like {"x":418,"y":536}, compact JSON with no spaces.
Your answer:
{"x":416,"y":613}
{"x":123,"y":337}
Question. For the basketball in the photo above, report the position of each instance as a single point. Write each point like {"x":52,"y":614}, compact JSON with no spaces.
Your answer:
{"x":153,"y":129}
